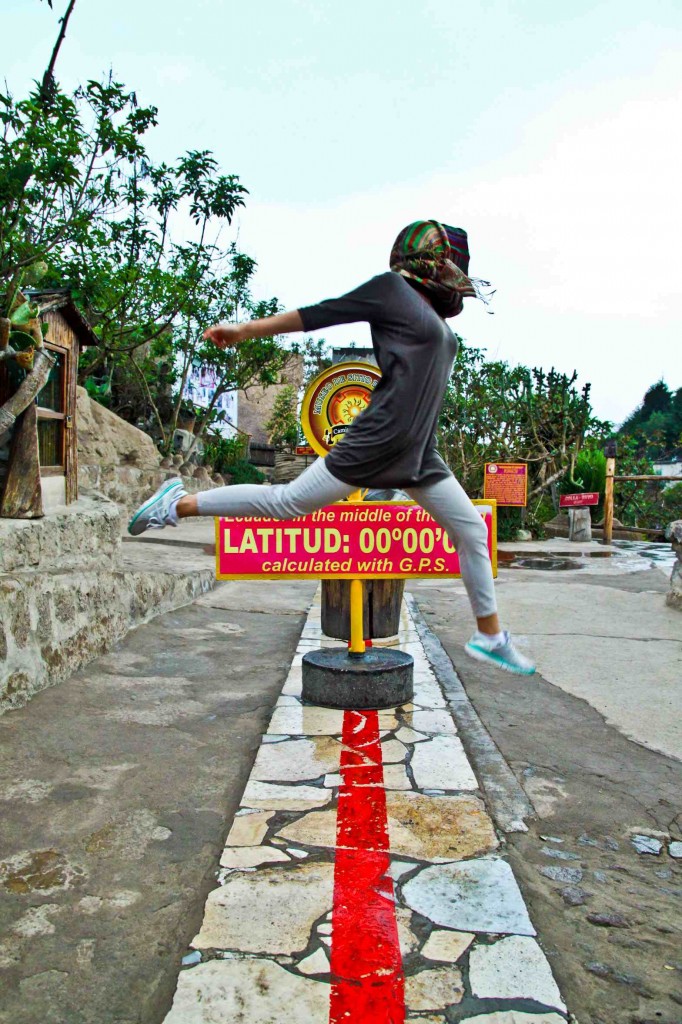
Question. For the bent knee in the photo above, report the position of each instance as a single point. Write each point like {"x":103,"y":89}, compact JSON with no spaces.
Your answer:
{"x":475,"y":530}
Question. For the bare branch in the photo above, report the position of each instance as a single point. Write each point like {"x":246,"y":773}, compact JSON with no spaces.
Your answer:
{"x":48,"y":78}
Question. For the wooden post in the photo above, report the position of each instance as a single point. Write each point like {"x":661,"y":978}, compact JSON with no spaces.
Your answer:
{"x":608,"y":500}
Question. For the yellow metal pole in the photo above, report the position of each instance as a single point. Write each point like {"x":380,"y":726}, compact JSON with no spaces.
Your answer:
{"x":357,"y":640}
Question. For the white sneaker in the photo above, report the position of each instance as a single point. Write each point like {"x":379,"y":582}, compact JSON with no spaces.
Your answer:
{"x":155,"y":513}
{"x":502,"y":653}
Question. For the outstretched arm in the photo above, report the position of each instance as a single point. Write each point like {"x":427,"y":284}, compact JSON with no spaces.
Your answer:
{"x":369,"y":302}
{"x":225,"y":335}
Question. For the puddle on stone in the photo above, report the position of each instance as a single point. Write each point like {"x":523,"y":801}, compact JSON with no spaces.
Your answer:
{"x":548,"y":563}
{"x":656,"y":554}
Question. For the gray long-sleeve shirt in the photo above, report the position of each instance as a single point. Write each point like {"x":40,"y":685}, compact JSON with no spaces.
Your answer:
{"x":392,"y":442}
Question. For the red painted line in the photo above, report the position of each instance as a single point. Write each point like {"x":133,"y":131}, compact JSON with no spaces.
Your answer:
{"x":366,"y":965}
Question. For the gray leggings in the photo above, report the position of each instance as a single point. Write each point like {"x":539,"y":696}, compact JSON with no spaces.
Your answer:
{"x":446,"y":501}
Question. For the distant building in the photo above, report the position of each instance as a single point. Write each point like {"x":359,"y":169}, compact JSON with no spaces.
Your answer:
{"x":353,"y":354}
{"x":672,"y":467}
{"x":257,"y":404}
{"x":200,"y":388}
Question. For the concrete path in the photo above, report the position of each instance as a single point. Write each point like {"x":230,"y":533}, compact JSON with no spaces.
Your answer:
{"x":594,"y":740}
{"x":116,"y":792}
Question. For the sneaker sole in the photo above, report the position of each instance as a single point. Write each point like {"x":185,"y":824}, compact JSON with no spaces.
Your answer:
{"x":148,"y":504}
{"x":492,"y":659}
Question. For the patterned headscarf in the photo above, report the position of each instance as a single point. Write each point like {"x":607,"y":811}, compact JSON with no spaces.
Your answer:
{"x":436,"y":257}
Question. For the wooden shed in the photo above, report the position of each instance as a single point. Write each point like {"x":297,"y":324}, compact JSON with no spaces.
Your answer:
{"x":56,"y":402}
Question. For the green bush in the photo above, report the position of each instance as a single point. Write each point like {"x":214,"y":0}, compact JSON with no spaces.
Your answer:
{"x":589,"y":473}
{"x":223,"y":453}
{"x":671,"y":499}
{"x":243,"y":472}
{"x":538,"y":513}
{"x":509,"y":520}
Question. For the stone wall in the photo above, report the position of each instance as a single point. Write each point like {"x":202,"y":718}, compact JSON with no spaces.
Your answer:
{"x":64,"y":599}
{"x":288,"y":467}
{"x":129,"y":486}
{"x":558,"y":527}
{"x":105,"y":439}
{"x":53,"y":623}
{"x":257,"y":404}
{"x":83,"y":535}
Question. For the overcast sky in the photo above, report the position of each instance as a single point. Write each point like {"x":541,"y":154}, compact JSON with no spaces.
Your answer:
{"x":551,"y":132}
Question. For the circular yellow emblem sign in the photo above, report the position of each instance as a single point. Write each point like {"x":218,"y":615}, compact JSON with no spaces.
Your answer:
{"x":334,"y":399}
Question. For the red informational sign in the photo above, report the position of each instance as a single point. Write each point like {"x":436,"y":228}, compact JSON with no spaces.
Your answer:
{"x":506,"y":482}
{"x":349,"y":540}
{"x":579,"y":500}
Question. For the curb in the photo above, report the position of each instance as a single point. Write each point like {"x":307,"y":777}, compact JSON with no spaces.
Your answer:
{"x":509,"y":805}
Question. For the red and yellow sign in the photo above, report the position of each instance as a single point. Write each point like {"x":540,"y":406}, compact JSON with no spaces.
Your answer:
{"x":334,"y":399}
{"x":349,"y":540}
{"x":506,"y":482}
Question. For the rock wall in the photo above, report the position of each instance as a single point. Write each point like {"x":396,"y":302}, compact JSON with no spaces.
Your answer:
{"x":105,"y":439}
{"x":128,"y":486}
{"x":288,"y":467}
{"x":83,"y":535}
{"x":257,"y":404}
{"x":53,"y":623}
{"x":674,"y":595}
{"x":64,"y":599}
{"x":122,"y":463}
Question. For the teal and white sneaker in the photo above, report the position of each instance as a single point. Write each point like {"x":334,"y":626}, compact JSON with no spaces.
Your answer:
{"x":159,"y":510}
{"x":501,"y":653}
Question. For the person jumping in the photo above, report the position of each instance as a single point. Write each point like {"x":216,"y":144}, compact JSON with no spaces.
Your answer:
{"x":392,"y":443}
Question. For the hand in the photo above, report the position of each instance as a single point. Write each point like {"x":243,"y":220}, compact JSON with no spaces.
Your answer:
{"x":224,"y":335}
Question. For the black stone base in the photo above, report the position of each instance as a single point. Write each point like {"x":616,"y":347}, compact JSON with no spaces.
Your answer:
{"x":379,"y":679}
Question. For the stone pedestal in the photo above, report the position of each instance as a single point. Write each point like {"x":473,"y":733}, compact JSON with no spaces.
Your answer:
{"x":333,"y":678}
{"x":674,"y":534}
{"x":579,"y":524}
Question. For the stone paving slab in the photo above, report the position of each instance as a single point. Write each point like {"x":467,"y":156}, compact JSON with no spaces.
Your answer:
{"x":440,"y":927}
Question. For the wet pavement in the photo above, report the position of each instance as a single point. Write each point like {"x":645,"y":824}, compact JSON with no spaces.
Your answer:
{"x":625,"y":556}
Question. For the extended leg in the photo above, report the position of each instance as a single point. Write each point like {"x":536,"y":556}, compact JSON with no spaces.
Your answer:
{"x":313,"y":489}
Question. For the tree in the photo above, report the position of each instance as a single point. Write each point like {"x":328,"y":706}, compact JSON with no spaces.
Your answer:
{"x":656,"y":425}
{"x":283,"y":426}
{"x":132,"y":277}
{"x":81,"y":200}
{"x":60,"y":157}
{"x":494,"y":412}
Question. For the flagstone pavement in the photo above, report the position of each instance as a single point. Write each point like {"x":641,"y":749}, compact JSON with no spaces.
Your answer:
{"x":271,"y":944}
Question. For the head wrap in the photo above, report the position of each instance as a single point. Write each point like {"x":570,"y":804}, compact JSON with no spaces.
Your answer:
{"x":436,"y":257}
